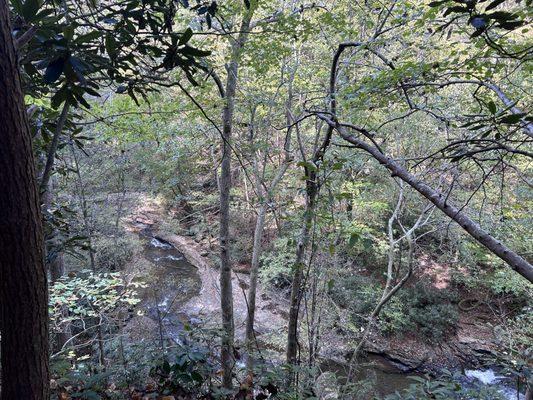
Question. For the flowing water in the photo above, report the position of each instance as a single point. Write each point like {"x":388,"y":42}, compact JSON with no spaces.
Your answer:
{"x":174,"y":281}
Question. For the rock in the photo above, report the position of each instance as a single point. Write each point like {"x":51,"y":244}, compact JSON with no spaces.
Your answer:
{"x":204,"y":253}
{"x":326,"y":386}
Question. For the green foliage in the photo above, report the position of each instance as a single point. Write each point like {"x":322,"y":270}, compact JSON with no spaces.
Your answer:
{"x":445,"y":387}
{"x":113,"y":254}
{"x":187,"y":371}
{"x":431,"y":311}
{"x":90,"y":296}
{"x":505,"y":281}
{"x":276,"y":265}
{"x":360,"y":294}
{"x":421,"y":309}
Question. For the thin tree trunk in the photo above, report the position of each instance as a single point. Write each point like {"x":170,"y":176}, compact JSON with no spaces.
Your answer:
{"x":88,"y":233}
{"x":23,"y":283}
{"x":254,"y":272}
{"x":226,"y":289}
{"x":296,"y":288}
{"x":56,"y":266}
{"x":47,"y":172}
{"x":264,"y":198}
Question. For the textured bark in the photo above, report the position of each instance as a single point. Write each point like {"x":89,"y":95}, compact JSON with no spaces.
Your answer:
{"x":23,"y":294}
{"x":226,"y":289}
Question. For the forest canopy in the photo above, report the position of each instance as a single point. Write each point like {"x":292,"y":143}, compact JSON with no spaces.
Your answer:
{"x":266,"y":199}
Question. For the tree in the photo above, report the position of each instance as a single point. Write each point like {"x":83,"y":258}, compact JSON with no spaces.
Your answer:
{"x":23,"y":297}
{"x":226,"y":291}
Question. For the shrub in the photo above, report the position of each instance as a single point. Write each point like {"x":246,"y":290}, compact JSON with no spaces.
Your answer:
{"x":431,"y":310}
{"x":113,"y":254}
{"x":276,"y":265}
{"x":420,"y":308}
{"x":360,"y":294}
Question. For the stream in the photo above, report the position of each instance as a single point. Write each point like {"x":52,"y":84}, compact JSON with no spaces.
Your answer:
{"x":175,"y":281}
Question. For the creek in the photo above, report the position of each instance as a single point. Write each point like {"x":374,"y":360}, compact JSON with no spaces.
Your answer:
{"x":175,"y":281}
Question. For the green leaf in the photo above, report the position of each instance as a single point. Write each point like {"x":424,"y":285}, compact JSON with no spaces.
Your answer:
{"x":354,"y":238}
{"x":59,"y":97}
{"x":307,"y":165}
{"x":492,"y":107}
{"x":88,"y":37}
{"x":437,"y":3}
{"x":54,"y":70}
{"x":502,"y":16}
{"x":194,"y":52}
{"x":455,"y":9}
{"x":111,"y":46}
{"x":17,"y":6}
{"x":92,"y":92}
{"x":29,"y":9}
{"x":511,"y":25}
{"x":512,"y":119}
{"x":187,"y":35}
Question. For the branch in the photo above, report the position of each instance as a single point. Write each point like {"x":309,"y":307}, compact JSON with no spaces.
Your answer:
{"x":515,"y":261}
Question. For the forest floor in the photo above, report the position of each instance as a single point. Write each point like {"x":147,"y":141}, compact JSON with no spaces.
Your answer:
{"x":473,"y":335}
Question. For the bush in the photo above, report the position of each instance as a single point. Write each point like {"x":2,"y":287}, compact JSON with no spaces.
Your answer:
{"x":113,"y":254}
{"x":276,"y":265}
{"x":420,"y":308}
{"x":360,"y":294}
{"x":432,"y":311}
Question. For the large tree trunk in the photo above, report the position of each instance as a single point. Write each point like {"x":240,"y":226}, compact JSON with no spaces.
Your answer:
{"x":23,"y":294}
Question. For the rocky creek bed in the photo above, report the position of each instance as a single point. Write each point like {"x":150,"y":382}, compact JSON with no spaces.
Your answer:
{"x":184,"y":288}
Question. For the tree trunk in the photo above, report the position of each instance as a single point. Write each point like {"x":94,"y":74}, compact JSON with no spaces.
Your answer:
{"x":296,"y":288}
{"x":226,"y":289}
{"x":56,"y":264}
{"x":50,"y":157}
{"x":23,"y":294}
{"x":88,"y":233}
{"x":254,"y":272}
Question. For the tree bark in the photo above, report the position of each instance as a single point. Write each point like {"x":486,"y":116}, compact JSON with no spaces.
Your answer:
{"x":296,"y":288}
{"x":254,"y":272}
{"x":23,"y":294}
{"x":226,"y":289}
{"x":50,"y":157}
